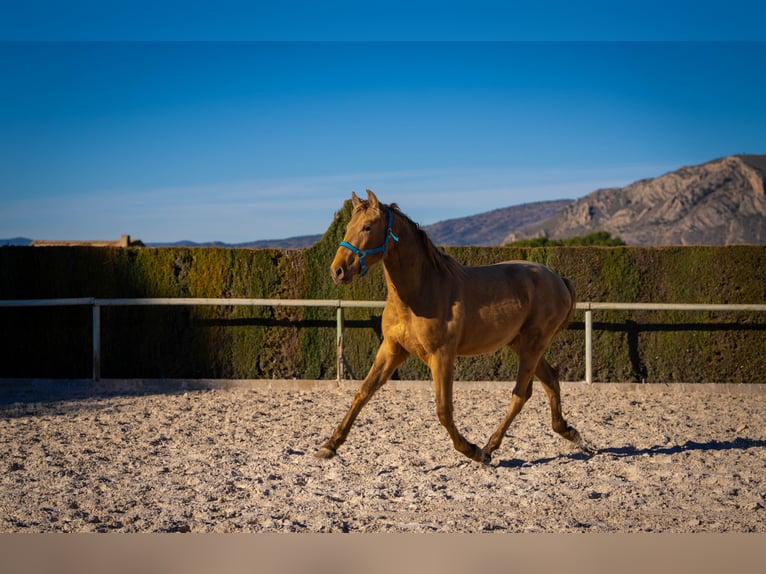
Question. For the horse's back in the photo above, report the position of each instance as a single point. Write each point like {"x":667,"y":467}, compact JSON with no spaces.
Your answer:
{"x":524,"y":287}
{"x":517,"y":273}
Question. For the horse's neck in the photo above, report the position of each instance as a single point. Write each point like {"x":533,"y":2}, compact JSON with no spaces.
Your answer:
{"x":408,"y":265}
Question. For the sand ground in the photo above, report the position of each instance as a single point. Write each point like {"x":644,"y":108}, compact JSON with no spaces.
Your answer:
{"x":239,"y":458}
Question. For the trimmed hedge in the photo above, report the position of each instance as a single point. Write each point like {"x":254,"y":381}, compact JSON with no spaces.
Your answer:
{"x":244,"y":342}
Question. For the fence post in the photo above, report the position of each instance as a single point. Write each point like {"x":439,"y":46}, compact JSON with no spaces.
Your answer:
{"x":588,"y":346}
{"x":339,"y":342}
{"x":96,"y":342}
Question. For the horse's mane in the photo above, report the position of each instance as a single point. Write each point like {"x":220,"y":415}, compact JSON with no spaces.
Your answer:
{"x":436,"y":256}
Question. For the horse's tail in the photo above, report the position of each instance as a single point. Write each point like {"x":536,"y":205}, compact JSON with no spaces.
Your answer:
{"x":573,"y":295}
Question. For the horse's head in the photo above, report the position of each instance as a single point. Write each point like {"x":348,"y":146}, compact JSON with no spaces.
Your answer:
{"x":367,"y":239}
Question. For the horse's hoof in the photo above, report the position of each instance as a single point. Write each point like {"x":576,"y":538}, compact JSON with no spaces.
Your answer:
{"x":585,"y":448}
{"x":481,"y":455}
{"x":325,"y":453}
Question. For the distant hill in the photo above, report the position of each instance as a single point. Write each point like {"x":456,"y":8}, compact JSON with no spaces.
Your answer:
{"x":289,"y":243}
{"x":488,"y":228}
{"x":721,"y":202}
{"x":492,"y":227}
{"x":15,"y":242}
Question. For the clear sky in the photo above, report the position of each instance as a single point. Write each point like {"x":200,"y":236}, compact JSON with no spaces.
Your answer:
{"x":115,"y":118}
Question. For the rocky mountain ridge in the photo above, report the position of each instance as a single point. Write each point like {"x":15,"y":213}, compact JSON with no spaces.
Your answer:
{"x":721,"y":202}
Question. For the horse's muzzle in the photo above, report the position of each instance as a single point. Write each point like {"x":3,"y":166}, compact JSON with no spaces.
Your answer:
{"x":342,"y":268}
{"x":340,"y":275}
{"x":341,"y":271}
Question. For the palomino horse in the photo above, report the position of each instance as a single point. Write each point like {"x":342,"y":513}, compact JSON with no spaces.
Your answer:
{"x":437,"y":309}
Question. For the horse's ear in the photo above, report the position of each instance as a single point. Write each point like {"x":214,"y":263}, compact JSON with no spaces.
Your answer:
{"x":355,"y":201}
{"x":372,"y":199}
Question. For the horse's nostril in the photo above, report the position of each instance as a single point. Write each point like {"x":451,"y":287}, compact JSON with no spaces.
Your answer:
{"x":338,"y":272}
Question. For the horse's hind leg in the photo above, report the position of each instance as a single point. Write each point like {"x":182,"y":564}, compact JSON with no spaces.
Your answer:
{"x":550,"y":380}
{"x":389,"y":357}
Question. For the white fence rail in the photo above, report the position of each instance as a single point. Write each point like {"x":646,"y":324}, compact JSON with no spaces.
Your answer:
{"x":589,"y":307}
{"x":339,"y":304}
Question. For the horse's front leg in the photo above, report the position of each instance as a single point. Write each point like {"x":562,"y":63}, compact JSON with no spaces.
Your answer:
{"x":389,"y":357}
{"x":443,"y":369}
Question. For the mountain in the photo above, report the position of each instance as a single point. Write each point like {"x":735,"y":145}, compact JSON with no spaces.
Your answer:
{"x":492,"y":227}
{"x":488,"y":228}
{"x":721,"y":202}
{"x":15,"y":242}
{"x":289,"y":243}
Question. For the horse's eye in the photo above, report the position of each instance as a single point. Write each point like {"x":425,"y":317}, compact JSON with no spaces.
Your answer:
{"x":366,"y":228}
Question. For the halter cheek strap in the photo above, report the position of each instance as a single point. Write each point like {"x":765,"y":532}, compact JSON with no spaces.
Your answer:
{"x":382,"y":249}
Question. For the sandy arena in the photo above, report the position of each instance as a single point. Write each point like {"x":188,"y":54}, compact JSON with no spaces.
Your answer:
{"x":683,"y":458}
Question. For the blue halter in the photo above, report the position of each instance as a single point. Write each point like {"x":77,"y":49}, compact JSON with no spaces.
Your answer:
{"x":382,"y":249}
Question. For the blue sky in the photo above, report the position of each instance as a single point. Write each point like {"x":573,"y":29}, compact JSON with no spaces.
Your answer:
{"x":117,"y":123}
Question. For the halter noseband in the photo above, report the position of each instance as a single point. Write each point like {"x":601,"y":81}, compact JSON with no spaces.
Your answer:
{"x":382,"y":249}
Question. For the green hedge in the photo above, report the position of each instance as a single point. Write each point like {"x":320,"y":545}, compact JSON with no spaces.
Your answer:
{"x":244,"y":342}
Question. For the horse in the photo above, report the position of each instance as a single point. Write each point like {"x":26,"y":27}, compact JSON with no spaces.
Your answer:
{"x":438,"y":309}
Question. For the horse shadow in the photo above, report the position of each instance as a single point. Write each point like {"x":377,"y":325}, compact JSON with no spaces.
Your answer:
{"x":738,"y":443}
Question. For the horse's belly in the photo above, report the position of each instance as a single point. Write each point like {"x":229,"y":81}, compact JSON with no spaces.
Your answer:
{"x":485,"y":337}
{"x":471,"y":348}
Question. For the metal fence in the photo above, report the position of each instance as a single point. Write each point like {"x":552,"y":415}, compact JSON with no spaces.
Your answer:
{"x":339,"y":304}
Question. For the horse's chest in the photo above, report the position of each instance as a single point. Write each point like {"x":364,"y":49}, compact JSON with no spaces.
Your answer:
{"x":421,"y":336}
